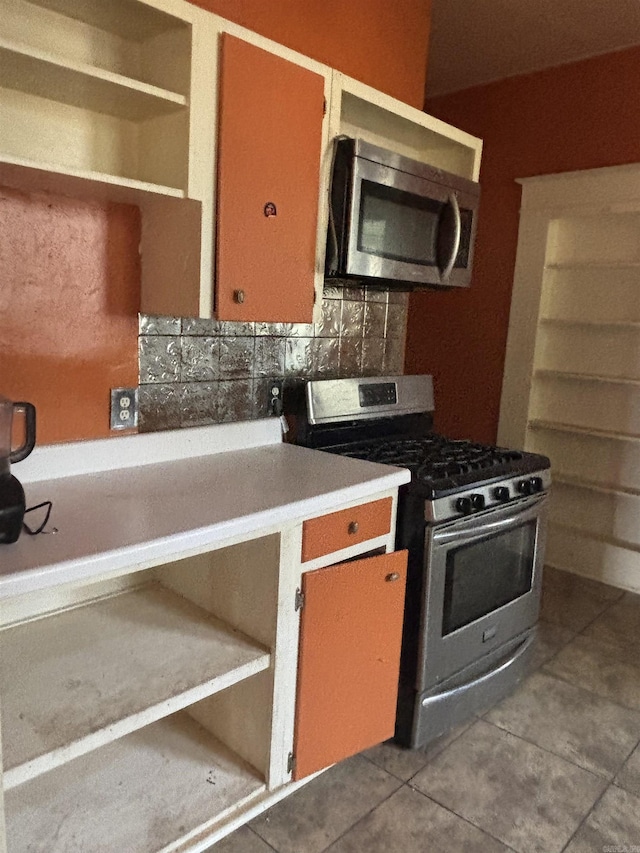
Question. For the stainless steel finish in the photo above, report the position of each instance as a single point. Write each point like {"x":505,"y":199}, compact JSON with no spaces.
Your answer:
{"x":353,"y":527}
{"x":385,"y":168}
{"x":443,"y":509}
{"x":385,"y":157}
{"x":485,"y":523}
{"x":456,"y":692}
{"x":335,"y":400}
{"x":441,"y":656}
{"x":455,"y":243}
{"x":472,"y":690}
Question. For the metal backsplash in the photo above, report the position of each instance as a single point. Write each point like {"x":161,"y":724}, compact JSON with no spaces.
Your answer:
{"x":195,"y":372}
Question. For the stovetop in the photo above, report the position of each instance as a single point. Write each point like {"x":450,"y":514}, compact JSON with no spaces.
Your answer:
{"x":441,"y":465}
{"x":389,"y":420}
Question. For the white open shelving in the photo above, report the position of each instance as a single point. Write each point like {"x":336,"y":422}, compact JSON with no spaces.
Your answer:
{"x":572,"y":379}
{"x":96,"y":90}
{"x":137,"y":711}
{"x":152,"y":653}
{"x":149,"y":791}
{"x":360,"y":111}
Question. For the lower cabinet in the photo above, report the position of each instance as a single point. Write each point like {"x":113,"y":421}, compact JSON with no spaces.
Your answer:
{"x":349,"y":660}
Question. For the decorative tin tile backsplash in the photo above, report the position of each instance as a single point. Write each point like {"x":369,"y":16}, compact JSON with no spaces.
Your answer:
{"x":195,"y":372}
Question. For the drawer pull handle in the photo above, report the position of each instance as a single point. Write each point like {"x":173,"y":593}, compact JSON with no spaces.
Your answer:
{"x":353,"y":527}
{"x":392,"y":576}
{"x":238,"y":296}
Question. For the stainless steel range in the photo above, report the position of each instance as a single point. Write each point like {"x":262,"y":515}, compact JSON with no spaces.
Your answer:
{"x":473,"y":519}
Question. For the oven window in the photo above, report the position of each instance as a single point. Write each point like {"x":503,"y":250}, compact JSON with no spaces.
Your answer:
{"x":487,"y":574}
{"x":398,"y":225}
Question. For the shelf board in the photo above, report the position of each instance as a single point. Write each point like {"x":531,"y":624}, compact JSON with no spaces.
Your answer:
{"x":595,"y":265}
{"x":592,"y":486}
{"x":31,"y":176}
{"x":132,"y":21}
{"x":586,"y":377}
{"x":74,"y":681}
{"x":597,"y":324}
{"x":37,"y":72}
{"x":557,"y":426}
{"x":141,"y":793}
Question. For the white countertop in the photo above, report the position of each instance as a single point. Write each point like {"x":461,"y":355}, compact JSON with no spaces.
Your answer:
{"x":173,"y":494}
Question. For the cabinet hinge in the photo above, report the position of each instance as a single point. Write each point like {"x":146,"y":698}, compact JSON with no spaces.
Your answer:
{"x":299,"y":599}
{"x":291,"y":763}
{"x":324,"y":106}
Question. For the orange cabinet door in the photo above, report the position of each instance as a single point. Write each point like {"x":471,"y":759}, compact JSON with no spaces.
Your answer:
{"x":269,"y":143}
{"x":349,"y":661}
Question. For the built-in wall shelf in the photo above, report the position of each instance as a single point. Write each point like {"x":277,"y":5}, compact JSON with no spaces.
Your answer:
{"x":153,"y":653}
{"x":36,"y":72}
{"x":593,"y":265}
{"x":572,"y":372}
{"x":585,"y":377}
{"x":541,"y":424}
{"x":591,"y":324}
{"x":149,"y":791}
{"x":359,"y":111}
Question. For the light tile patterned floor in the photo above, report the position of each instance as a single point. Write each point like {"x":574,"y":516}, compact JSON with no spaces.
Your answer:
{"x":554,"y":768}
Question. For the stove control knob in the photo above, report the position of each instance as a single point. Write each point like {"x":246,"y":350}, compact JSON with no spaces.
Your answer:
{"x":477,"y":502}
{"x":536,"y":484}
{"x":501,"y":493}
{"x":525,"y":487}
{"x":464,"y":505}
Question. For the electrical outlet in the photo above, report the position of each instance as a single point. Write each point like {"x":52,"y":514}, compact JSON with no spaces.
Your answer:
{"x":274,"y":397}
{"x":124,"y":408}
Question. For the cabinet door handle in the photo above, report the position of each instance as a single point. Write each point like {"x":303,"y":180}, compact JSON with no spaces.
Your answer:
{"x":353,"y":527}
{"x":392,"y":576}
{"x":238,"y":296}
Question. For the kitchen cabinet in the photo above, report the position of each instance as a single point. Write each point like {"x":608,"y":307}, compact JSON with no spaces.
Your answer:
{"x":120,"y":102}
{"x":269,"y":148}
{"x":349,"y":662}
{"x":148,"y":670}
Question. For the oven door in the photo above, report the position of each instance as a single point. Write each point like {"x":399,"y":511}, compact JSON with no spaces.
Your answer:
{"x":408,"y":229}
{"x":483,"y":582}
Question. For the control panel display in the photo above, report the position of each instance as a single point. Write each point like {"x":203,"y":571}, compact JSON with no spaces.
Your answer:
{"x":378,"y":394}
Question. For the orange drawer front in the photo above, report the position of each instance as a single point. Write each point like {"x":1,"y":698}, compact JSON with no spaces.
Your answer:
{"x":347,"y":527}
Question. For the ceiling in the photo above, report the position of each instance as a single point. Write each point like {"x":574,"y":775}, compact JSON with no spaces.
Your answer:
{"x":479,"y":41}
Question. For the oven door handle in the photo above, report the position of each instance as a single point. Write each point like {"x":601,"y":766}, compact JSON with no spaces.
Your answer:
{"x":473,"y":531}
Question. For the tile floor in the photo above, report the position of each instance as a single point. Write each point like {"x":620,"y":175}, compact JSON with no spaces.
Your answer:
{"x":554,"y":767}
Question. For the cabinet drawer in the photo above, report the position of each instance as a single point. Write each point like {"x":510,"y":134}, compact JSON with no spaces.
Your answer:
{"x":338,"y":530}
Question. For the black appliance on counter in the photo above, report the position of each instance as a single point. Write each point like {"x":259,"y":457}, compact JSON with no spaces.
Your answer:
{"x":473,"y":519}
{"x":12,"y":503}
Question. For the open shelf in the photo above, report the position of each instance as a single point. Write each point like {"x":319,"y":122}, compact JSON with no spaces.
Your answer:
{"x":541,"y":423}
{"x":585,"y":377}
{"x":147,"y":791}
{"x":36,"y":72}
{"x":30,"y":176}
{"x":81,"y":678}
{"x":596,"y":324}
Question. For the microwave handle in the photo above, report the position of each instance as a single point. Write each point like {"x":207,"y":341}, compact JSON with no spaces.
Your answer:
{"x":456,"y":232}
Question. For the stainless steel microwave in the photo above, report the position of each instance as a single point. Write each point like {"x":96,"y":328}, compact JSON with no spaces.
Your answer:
{"x":396,"y":222}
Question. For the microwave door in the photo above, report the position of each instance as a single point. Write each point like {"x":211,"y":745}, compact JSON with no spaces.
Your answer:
{"x":394,"y":225}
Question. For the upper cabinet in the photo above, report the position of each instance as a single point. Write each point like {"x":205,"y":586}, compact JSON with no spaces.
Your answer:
{"x":269,"y":147}
{"x":361,"y":112}
{"x":96,"y":91}
{"x":222,"y":137}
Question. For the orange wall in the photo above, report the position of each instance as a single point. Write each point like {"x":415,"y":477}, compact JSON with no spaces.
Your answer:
{"x":69,"y":297}
{"x":69,"y":271}
{"x":577,"y":116}
{"x":379,"y":42}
